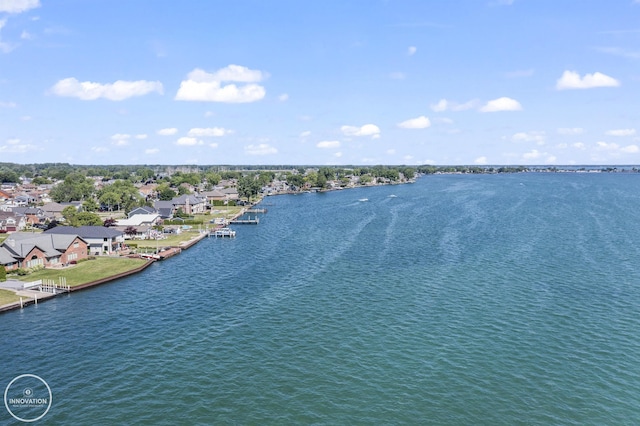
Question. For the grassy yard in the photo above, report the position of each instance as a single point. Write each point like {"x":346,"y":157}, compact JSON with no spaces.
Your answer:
{"x":3,"y":237}
{"x":7,"y":297}
{"x":85,"y":272}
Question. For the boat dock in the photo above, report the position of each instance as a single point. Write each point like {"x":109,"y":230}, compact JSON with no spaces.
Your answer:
{"x":245,"y":221}
{"x":223,"y":232}
{"x":256,"y":211}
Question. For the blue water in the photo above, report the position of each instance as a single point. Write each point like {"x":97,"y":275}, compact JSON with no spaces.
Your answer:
{"x":492,"y":299}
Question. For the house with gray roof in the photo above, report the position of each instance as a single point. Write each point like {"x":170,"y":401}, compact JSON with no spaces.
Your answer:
{"x":28,"y":250}
{"x":101,"y":240}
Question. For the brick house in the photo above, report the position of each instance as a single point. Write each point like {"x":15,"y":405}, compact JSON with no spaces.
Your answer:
{"x":27,"y":250}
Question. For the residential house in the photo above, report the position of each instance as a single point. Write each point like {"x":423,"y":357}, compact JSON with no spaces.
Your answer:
{"x":215,"y":195}
{"x":4,"y":195}
{"x":53,"y":210}
{"x":190,"y":204}
{"x":142,"y":223}
{"x":10,"y":222}
{"x":27,"y":250}
{"x":101,"y":240}
{"x":165,"y":209}
{"x":142,"y":210}
{"x":32,"y":215}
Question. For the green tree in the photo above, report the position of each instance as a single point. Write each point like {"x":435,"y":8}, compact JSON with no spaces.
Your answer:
{"x":3,"y":274}
{"x":69,"y":213}
{"x":248,"y":186}
{"x":76,"y":187}
{"x":111,"y":199}
{"x":90,"y":205}
{"x":165,"y":193}
{"x":86,"y":218}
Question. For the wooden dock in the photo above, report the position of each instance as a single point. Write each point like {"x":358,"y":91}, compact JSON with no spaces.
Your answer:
{"x":256,"y":211}
{"x":245,"y":221}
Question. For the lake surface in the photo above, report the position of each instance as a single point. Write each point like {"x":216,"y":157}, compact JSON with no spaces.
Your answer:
{"x":491,"y":299}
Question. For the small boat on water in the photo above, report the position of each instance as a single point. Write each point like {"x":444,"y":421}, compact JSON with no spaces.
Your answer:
{"x":393,"y":196}
{"x":363,"y":199}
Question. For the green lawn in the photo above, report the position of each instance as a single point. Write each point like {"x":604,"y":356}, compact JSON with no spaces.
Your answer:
{"x":7,"y":296}
{"x":85,"y":272}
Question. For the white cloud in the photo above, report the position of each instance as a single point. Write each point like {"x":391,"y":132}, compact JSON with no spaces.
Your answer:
{"x":8,"y":105}
{"x":168,"y":131}
{"x":99,"y":149}
{"x":151,"y":151}
{"x":16,"y":146}
{"x":209,"y":132}
{"x":366,"y":130}
{"x":578,"y":145}
{"x":141,"y":136}
{"x":532,"y":155}
{"x":572,"y":80}
{"x":538,"y":137}
{"x":118,"y":91}
{"x":614,"y":148}
{"x":120,"y":139}
{"x":328,"y":144}
{"x":260,"y":149}
{"x":18,"y":6}
{"x":283,"y":98}
{"x":26,"y":36}
{"x":236,"y":73}
{"x":186,"y":141}
{"x":501,"y":104}
{"x":391,"y":151}
{"x":421,"y":122}
{"x":397,"y":75}
{"x":203,"y":86}
{"x":621,"y":132}
{"x":567,"y":131}
{"x":480,"y":160}
{"x":213,"y":145}
{"x":412,"y":50}
{"x":305,"y":134}
{"x":445,"y":105}
{"x":604,"y":146}
{"x":338,"y":154}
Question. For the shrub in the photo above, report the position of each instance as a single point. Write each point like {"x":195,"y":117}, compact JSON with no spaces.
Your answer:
{"x":3,"y":274}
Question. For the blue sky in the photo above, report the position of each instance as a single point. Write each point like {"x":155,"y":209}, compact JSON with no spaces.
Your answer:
{"x":320,"y":82}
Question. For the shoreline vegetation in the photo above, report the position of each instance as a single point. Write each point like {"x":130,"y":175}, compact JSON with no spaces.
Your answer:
{"x":90,"y":186}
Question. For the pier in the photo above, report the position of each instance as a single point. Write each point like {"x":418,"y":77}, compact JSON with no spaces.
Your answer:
{"x":256,"y":211}
{"x":223,"y":232}
{"x":245,"y":221}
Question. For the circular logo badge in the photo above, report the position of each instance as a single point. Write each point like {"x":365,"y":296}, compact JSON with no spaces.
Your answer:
{"x":27,"y":398}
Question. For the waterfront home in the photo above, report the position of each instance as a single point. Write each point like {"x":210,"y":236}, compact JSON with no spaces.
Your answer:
{"x":151,"y":219}
{"x":142,"y":232}
{"x":27,"y":250}
{"x":101,"y":240}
